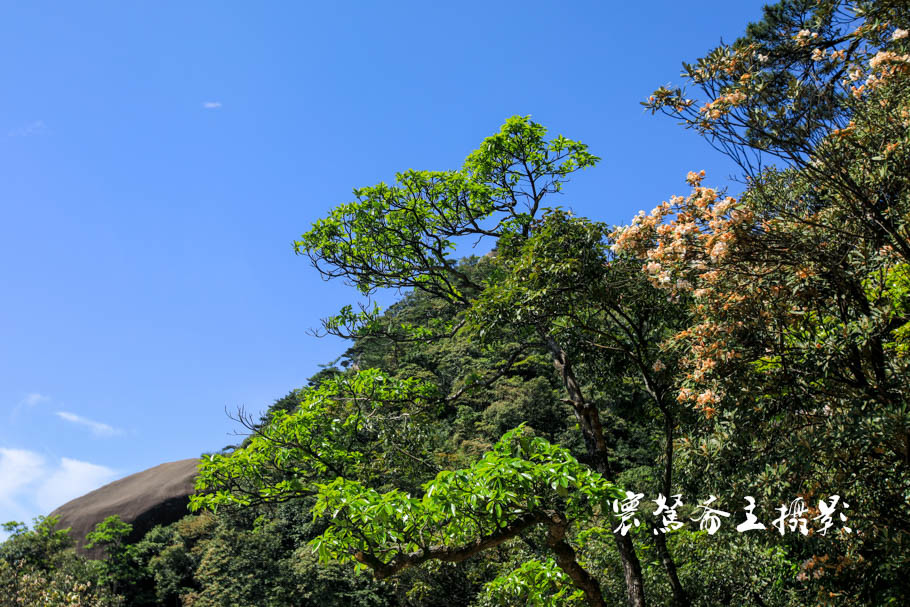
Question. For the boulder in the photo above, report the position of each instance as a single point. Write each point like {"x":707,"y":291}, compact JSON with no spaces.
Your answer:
{"x":157,"y":496}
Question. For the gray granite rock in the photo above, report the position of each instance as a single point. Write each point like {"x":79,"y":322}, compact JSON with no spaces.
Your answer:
{"x":157,"y":496}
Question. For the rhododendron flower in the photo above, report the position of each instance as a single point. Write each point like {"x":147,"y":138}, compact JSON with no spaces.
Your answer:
{"x":735,"y":98}
{"x":887,"y":57}
{"x":898,"y":34}
{"x":723,"y":206}
{"x":803,"y":37}
{"x":707,"y":397}
{"x":693,"y":178}
{"x":718,"y":250}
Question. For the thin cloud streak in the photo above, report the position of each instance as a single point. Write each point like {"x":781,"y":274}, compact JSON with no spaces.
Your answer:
{"x":33,"y":399}
{"x":211,"y":105}
{"x":97,"y":428}
{"x":33,"y":128}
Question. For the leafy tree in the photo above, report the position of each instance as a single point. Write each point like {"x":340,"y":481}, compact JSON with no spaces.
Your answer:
{"x":522,"y":482}
{"x":563,"y":287}
{"x":118,"y":568}
{"x":34,"y":546}
{"x":331,"y":434}
{"x":38,"y":566}
{"x":541,"y":584}
{"x":401,"y":236}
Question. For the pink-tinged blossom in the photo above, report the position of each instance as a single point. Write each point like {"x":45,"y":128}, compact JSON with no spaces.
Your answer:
{"x":804,"y":36}
{"x":706,"y":398}
{"x":884,"y":57}
{"x":693,"y":178}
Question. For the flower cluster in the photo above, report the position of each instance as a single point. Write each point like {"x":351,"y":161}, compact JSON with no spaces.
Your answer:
{"x":883,"y":67}
{"x":686,"y":246}
{"x":804,"y":37}
{"x":723,"y":104}
{"x":883,"y":58}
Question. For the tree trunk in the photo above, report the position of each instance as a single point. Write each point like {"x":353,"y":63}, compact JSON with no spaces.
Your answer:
{"x":589,"y":421}
{"x":680,"y":598}
{"x":565,"y":559}
{"x":631,"y":570}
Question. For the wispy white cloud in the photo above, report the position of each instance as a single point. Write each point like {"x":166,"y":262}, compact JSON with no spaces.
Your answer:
{"x":18,"y":469}
{"x":33,"y":128}
{"x":30,"y":486}
{"x":33,"y":399}
{"x":211,"y":105}
{"x":70,"y":480}
{"x":97,"y":428}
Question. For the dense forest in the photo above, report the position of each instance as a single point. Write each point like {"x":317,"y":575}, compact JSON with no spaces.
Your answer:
{"x":706,"y":406}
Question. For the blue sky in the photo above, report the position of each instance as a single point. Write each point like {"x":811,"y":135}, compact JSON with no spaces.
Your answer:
{"x":157,"y":159}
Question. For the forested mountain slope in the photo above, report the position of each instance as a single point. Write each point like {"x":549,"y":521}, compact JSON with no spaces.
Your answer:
{"x":707,"y":406}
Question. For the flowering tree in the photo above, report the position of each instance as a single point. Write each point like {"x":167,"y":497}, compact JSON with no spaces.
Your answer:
{"x":795,"y":76}
{"x":797,"y":353}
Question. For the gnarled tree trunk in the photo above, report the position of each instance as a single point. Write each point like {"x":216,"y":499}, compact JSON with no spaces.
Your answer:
{"x":589,"y":421}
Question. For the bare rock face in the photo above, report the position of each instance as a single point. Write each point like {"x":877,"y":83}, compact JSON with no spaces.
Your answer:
{"x":157,"y":496}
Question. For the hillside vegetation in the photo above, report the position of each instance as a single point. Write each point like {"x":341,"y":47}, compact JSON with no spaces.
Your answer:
{"x":707,"y":406}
